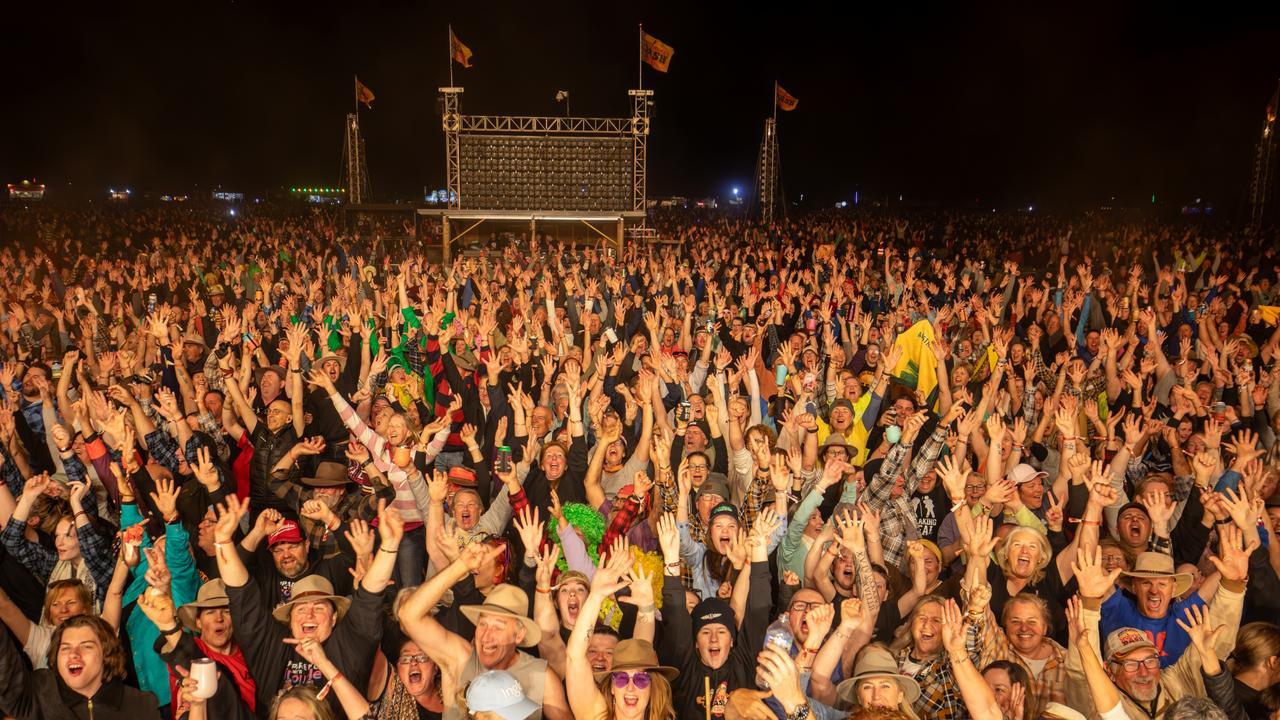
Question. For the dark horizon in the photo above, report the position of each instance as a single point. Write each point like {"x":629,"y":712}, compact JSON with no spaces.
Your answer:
{"x":1006,"y":105}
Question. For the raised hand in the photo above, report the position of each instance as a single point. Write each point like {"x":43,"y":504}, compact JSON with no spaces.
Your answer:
{"x":953,"y":635}
{"x":1201,"y":630}
{"x":229,"y":516}
{"x":669,"y":538}
{"x":361,"y":537}
{"x":165,"y":498}
{"x":1233,"y":555}
{"x":1094,"y":581}
{"x":390,"y":526}
{"x":530,"y":528}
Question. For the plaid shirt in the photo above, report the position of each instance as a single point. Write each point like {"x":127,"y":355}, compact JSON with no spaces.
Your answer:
{"x":939,"y":695}
{"x":897,"y":518}
{"x":163,"y":449}
{"x":95,"y":554}
{"x":1050,"y":685}
{"x":624,"y":515}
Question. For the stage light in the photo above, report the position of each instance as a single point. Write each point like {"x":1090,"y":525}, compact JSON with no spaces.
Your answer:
{"x":735,"y":192}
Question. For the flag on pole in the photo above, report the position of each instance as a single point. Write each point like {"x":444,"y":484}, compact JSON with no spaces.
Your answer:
{"x":461,"y":53}
{"x":918,"y":367}
{"x":655,"y":52}
{"x":363,"y":94}
{"x":785,"y":100}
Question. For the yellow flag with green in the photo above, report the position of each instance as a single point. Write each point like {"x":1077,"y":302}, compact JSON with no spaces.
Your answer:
{"x":918,"y":368}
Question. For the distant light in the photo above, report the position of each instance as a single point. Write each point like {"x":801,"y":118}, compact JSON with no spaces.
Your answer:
{"x":735,"y":191}
{"x":1031,"y":208}
{"x":899,"y":198}
{"x":1153,"y":198}
{"x":855,"y":197}
{"x":232,"y":211}
{"x":1197,"y":201}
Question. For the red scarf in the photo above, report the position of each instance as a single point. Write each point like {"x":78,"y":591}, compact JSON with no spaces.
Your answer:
{"x":239,"y":674}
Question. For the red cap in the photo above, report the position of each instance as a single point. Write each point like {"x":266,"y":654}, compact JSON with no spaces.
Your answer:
{"x":288,"y":532}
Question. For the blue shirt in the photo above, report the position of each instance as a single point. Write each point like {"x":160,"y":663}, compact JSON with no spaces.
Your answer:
{"x":1121,"y":610}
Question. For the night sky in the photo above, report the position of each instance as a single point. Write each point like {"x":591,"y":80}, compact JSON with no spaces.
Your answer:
{"x":1005,"y":105}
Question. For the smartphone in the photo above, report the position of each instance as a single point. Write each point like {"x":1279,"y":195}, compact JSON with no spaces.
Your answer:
{"x":611,"y":335}
{"x":682,"y":411}
{"x":55,"y":369}
{"x":504,"y":459}
{"x":151,"y":302}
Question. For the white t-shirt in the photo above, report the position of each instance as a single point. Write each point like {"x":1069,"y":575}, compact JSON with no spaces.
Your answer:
{"x":37,"y":645}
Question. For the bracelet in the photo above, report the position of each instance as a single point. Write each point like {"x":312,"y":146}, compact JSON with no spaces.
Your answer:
{"x":959,"y":660}
{"x":647,"y":609}
{"x":1094,"y":523}
{"x":544,"y":591}
{"x":166,"y":631}
{"x":221,"y":544}
{"x":392,"y":551}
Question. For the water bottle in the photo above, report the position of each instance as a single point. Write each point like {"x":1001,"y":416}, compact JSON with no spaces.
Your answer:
{"x":779,"y":636}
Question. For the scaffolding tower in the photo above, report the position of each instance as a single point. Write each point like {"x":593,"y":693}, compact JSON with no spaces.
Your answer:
{"x":768,"y":190}
{"x":355,"y":170}
{"x":1261,"y":186}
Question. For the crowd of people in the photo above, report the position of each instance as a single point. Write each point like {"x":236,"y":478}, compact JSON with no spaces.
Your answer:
{"x":863,"y":465}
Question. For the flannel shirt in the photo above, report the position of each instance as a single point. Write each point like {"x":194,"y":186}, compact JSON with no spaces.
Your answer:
{"x":623,"y":516}
{"x":1094,"y":382}
{"x":939,"y":695}
{"x":163,"y":449}
{"x":1050,"y":685}
{"x":897,"y":518}
{"x":210,"y":425}
{"x":95,"y":554}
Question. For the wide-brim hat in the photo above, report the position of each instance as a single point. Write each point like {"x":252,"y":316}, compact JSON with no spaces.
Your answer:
{"x":715,"y":484}
{"x":328,"y":474}
{"x":194,"y":338}
{"x":835,"y":439}
{"x":1159,"y":565}
{"x":878,"y":662}
{"x":507,"y":601}
{"x":310,"y":589}
{"x":1062,"y":712}
{"x":212,"y":594}
{"x":632,"y":655}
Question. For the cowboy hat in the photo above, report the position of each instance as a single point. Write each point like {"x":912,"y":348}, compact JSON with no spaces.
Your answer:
{"x":310,"y":589}
{"x":835,"y":439}
{"x":506,"y":601}
{"x":194,"y":338}
{"x":213,"y":594}
{"x":328,"y":474}
{"x":631,"y":655}
{"x":1159,"y":565}
{"x":878,"y":662}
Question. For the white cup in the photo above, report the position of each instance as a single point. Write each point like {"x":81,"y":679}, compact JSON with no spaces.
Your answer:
{"x":205,"y":671}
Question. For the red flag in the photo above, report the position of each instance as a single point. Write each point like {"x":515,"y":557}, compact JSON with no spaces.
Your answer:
{"x":363,"y":94}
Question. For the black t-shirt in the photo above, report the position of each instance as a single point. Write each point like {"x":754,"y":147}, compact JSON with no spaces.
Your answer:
{"x":930,"y":508}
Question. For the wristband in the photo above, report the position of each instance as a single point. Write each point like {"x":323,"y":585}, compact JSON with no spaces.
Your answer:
{"x":392,"y":551}
{"x":167,"y":631}
{"x":544,"y":591}
{"x":646,"y":609}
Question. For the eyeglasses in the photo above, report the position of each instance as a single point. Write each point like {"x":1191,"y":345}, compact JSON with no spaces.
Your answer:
{"x":640,"y":679}
{"x":1131,"y":666}
{"x":979,"y":486}
{"x":802,"y":606}
{"x":413,"y":659}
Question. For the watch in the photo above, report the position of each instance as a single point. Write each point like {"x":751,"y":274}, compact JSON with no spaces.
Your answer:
{"x":800,"y":713}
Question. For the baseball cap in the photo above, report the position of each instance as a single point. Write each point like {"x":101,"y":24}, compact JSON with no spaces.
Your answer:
{"x":1023,"y":473}
{"x":498,"y":691}
{"x":1125,"y":640}
{"x":288,"y":532}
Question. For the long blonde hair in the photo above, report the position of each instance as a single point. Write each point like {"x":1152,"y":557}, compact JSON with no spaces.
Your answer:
{"x":660,"y":707}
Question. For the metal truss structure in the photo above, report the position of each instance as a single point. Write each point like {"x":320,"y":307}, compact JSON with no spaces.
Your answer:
{"x":768,"y":189}
{"x":355,"y":171}
{"x":1262,"y":182}
{"x":546,"y":164}
{"x":544,"y":171}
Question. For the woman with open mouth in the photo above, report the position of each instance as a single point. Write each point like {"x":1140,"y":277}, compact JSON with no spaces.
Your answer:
{"x":637,"y":687}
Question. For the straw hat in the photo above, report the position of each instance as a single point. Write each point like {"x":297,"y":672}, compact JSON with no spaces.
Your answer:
{"x":631,"y":655}
{"x":310,"y":589}
{"x":213,"y":594}
{"x":1159,"y":565}
{"x":507,"y":601}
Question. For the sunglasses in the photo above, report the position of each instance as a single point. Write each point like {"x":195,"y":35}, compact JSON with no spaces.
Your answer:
{"x":640,"y":679}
